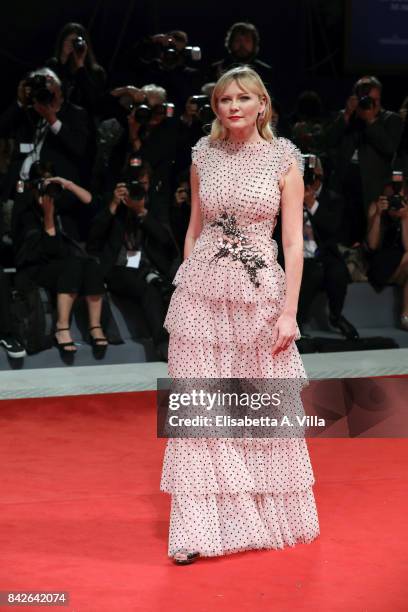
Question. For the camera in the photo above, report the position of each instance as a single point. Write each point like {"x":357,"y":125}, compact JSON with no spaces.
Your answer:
{"x":79,"y":43}
{"x":204,"y":111}
{"x":365,"y":103}
{"x":143,"y":112}
{"x":131,"y":179}
{"x":53,"y":190}
{"x":135,"y":189}
{"x":395,"y":201}
{"x":39,"y":91}
{"x":310,"y":176}
{"x":166,"y":52}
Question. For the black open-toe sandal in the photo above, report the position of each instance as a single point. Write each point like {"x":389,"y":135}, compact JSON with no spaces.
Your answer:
{"x":98,"y":342}
{"x":62,"y":345}
{"x":187,"y":557}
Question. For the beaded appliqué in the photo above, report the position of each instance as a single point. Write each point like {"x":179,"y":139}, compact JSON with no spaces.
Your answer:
{"x":235,"y":243}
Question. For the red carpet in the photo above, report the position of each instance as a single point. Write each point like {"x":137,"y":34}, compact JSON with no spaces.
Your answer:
{"x":81,"y":511}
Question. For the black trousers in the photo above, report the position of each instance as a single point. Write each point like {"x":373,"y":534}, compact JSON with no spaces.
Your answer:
{"x":130,"y":283}
{"x":354,"y":223}
{"x":328,"y":273}
{"x":5,"y":300}
{"x":70,"y":275}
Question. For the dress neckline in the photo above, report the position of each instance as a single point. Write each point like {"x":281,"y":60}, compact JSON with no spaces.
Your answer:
{"x":244,"y":143}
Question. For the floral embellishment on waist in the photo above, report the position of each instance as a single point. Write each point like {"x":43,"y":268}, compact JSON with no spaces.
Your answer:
{"x":235,"y":243}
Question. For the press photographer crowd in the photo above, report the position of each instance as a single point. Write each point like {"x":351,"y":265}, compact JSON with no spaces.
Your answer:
{"x":95,"y":193}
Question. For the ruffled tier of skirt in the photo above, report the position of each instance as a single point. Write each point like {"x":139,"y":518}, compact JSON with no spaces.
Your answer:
{"x":222,"y":524}
{"x":223,"y":465}
{"x":223,"y":307}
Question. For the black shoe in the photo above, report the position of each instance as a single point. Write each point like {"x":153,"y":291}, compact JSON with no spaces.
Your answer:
{"x":162,"y":350}
{"x":62,"y":346}
{"x":101,"y":342}
{"x":345,"y":327}
{"x":184,"y":557}
{"x":13,"y":347}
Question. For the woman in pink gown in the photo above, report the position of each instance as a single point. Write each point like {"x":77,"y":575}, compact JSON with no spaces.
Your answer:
{"x":233,"y":315}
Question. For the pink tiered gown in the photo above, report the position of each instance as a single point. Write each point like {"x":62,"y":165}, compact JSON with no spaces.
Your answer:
{"x":229,"y":495}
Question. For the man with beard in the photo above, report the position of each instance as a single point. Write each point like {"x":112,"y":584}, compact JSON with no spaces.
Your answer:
{"x":242,"y":44}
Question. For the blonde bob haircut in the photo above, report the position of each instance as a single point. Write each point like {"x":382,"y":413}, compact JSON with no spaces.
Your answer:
{"x":250,"y":81}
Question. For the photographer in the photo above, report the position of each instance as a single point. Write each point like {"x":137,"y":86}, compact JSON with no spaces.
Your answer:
{"x":242,"y":45}
{"x":44,"y":127}
{"x":387,"y":240}
{"x":193,"y":124}
{"x":324,"y":267}
{"x":364,"y":139}
{"x":48,"y":254}
{"x":83,"y":79}
{"x":170,"y":62}
{"x":148,"y":130}
{"x":136,"y":252}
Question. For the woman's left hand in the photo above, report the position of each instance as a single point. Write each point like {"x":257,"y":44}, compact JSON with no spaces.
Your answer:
{"x":287,"y":331}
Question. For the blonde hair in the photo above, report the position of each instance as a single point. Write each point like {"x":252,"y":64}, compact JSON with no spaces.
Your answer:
{"x":248,"y":80}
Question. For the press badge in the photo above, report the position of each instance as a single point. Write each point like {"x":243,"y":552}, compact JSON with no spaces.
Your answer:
{"x":133,"y":259}
{"x":26,"y":147}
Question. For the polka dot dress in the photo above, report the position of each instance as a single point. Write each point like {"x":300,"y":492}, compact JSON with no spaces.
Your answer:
{"x":230,"y":495}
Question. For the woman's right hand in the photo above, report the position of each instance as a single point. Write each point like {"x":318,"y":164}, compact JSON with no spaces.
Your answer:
{"x":120,"y":194}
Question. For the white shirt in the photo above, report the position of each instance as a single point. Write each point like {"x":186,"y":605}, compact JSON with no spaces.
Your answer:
{"x":309,"y":243}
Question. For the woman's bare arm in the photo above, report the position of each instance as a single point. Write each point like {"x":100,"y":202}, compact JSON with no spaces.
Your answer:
{"x":292,"y":194}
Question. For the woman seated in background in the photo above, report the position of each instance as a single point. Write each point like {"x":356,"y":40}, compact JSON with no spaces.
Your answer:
{"x":48,"y":253}
{"x":387,"y":240}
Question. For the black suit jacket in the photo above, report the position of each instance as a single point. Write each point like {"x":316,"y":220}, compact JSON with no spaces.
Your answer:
{"x":377,"y":145}
{"x":64,"y":150}
{"x":107,"y":235}
{"x":326,"y":221}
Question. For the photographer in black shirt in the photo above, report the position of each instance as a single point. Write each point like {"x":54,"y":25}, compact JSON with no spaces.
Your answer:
{"x":364,"y":140}
{"x":387,"y":240}
{"x":147,"y":129}
{"x":45,"y":127}
{"x":136,"y":251}
{"x":83,"y":79}
{"x":49,"y":254}
{"x":324,"y":267}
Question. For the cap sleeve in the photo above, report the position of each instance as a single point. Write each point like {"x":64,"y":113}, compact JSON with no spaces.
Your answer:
{"x":290,"y":155}
{"x":198,"y":152}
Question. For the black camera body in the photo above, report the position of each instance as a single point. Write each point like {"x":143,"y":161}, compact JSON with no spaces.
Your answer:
{"x":52,"y":190}
{"x":135,"y":189}
{"x":366,"y":103}
{"x":143,"y":112}
{"x":79,"y":43}
{"x":39,"y":91}
{"x":166,"y":52}
{"x":396,"y":200}
{"x":204,"y":111}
